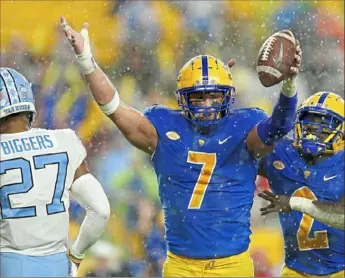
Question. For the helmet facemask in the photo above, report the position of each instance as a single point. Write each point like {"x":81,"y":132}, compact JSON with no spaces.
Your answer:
{"x":204,"y":90}
{"x":192,"y":102}
{"x":319,"y":131}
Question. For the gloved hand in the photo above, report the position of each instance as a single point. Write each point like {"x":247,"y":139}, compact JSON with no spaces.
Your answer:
{"x":75,"y":260}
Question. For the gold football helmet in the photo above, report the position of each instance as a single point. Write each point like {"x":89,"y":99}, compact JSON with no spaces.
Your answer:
{"x":205,"y":74}
{"x":319,"y":126}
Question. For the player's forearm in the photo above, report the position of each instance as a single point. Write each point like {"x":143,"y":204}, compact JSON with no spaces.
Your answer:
{"x":328,"y":213}
{"x":100,"y":86}
{"x":337,"y":207}
{"x":90,"y":195}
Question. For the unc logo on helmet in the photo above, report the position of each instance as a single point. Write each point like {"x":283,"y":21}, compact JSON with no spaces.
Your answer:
{"x":15,"y":93}
{"x":319,"y":126}
{"x":205,"y":74}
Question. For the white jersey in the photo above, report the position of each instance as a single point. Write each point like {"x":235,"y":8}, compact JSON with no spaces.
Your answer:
{"x":37,"y":169}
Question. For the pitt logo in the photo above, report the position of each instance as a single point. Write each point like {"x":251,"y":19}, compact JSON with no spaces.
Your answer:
{"x":306,"y":174}
{"x":278,"y":164}
{"x":201,"y":142}
{"x":172,"y":135}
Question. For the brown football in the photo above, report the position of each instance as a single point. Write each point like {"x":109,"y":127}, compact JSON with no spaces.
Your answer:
{"x":275,"y":58}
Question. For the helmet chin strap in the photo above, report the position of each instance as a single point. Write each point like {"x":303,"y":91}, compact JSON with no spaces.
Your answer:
{"x":31,"y":119}
{"x":311,"y":136}
{"x":312,"y":148}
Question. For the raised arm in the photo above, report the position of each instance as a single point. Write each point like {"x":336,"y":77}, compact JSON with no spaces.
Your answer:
{"x":331,"y":214}
{"x":137,"y":129}
{"x":262,"y":137}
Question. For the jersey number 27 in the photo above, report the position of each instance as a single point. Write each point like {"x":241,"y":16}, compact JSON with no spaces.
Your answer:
{"x":59,"y":160}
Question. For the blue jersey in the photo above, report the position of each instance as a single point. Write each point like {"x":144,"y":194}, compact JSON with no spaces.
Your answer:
{"x":310,"y":246}
{"x":206,"y":182}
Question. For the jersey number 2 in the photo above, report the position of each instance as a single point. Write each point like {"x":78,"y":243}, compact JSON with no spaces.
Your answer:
{"x":26,"y":184}
{"x":320,"y":239}
{"x":208,"y":162}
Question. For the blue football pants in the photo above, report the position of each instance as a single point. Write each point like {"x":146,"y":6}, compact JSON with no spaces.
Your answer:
{"x":17,"y":265}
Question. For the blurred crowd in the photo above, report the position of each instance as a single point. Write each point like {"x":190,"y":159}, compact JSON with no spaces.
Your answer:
{"x":141,"y":45}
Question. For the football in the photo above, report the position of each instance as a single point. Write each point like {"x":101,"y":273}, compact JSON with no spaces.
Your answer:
{"x":275,"y":58}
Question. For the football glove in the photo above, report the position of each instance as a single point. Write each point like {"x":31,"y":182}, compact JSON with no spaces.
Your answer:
{"x":74,"y":260}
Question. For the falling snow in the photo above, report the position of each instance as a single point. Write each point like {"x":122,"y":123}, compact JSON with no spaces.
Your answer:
{"x":141,"y":45}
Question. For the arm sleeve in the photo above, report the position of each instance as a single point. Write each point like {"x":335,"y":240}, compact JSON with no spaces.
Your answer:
{"x":281,"y":121}
{"x":327,"y":215}
{"x":89,"y":193}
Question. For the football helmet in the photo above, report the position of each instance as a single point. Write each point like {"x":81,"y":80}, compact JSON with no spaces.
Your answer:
{"x":15,"y":93}
{"x":319,"y":125}
{"x":205,"y":74}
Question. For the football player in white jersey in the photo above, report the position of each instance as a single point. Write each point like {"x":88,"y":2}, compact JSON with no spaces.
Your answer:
{"x":38,"y":170}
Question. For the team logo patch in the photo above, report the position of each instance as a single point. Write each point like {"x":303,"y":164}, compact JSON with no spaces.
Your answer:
{"x":278,"y":164}
{"x":172,"y":135}
{"x":201,"y":142}
{"x":306,"y":174}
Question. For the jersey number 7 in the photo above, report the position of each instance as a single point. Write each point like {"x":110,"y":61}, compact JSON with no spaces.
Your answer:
{"x":60,"y":160}
{"x":208,"y":162}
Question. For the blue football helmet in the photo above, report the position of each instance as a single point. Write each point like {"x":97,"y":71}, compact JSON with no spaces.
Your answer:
{"x":15,"y":93}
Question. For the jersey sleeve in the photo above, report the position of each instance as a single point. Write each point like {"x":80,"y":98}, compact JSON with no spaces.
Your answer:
{"x":261,"y":115}
{"x":169,"y":127}
{"x":244,"y":120}
{"x":248,"y":118}
{"x":74,"y":146}
{"x":158,"y":115}
{"x":153,"y":113}
{"x":76,"y":151}
{"x":79,"y":149}
{"x":258,"y":115}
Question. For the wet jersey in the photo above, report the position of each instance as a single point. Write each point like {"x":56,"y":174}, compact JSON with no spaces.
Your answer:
{"x":310,"y":246}
{"x":37,"y":169}
{"x":206,"y":182}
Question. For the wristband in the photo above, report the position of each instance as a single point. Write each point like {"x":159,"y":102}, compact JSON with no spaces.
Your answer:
{"x":74,"y":256}
{"x":300,"y":204}
{"x":111,"y":106}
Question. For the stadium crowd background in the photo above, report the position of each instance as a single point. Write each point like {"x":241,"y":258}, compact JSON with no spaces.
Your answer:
{"x":141,"y":45}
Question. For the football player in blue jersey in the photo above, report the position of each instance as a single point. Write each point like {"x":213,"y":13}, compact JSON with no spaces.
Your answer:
{"x":310,"y":170}
{"x":205,"y":156}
